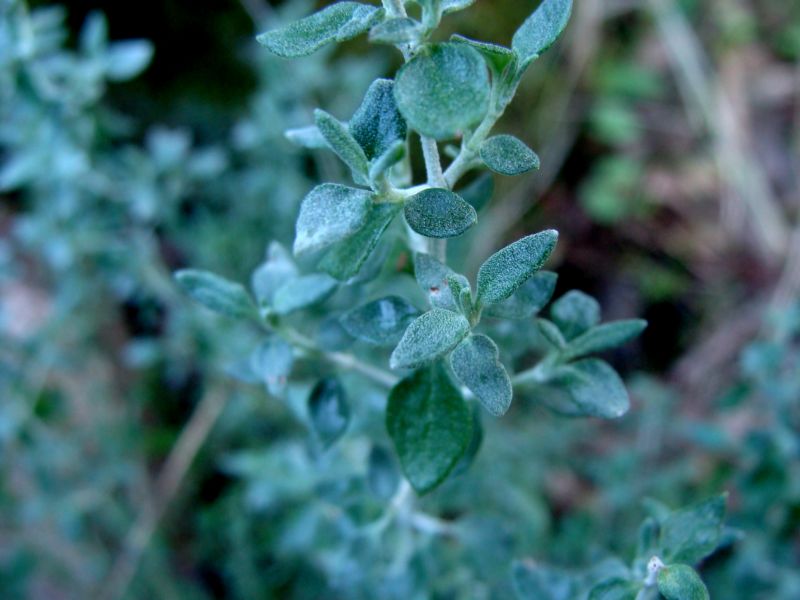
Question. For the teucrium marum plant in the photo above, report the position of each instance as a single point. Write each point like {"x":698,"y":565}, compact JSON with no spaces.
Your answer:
{"x":451,"y":91}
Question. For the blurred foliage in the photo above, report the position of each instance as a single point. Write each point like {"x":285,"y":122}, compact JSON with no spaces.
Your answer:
{"x":104,"y":365}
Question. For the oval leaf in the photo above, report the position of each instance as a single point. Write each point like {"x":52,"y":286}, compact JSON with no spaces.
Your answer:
{"x":541,"y":29}
{"x":475,"y":362}
{"x":381,"y":322}
{"x":432,"y":276}
{"x":681,"y":582}
{"x":603,"y":337}
{"x":436,"y":332}
{"x":401,"y":30}
{"x":302,"y":292}
{"x":592,"y":389}
{"x":274,"y":272}
{"x":336,"y":23}
{"x":272,"y":363}
{"x":439,"y":213}
{"x":506,"y":270}
{"x":377,"y":124}
{"x":216,"y":293}
{"x":328,"y":410}
{"x":528,"y":300}
{"x":575,"y":313}
{"x":343,"y":144}
{"x":383,"y":476}
{"x":692,"y":533}
{"x":443,"y":90}
{"x":430,"y":425}
{"x":508,"y":155}
{"x":329,"y":214}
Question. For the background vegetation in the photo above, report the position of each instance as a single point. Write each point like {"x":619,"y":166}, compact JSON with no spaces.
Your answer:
{"x":135,"y":463}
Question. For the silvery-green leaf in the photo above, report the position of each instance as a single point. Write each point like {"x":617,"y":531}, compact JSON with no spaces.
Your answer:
{"x":276,"y":270}
{"x":346,"y":258}
{"x":443,"y":90}
{"x":400,"y":30}
{"x":615,"y":589}
{"x":551,"y":333}
{"x":497,"y":57}
{"x":476,"y":363}
{"x":272,"y":364}
{"x":430,"y":425}
{"x":393,"y":155}
{"x":506,"y":270}
{"x":681,"y":582}
{"x":125,"y":60}
{"x":216,"y":293}
{"x":588,"y":388}
{"x":302,"y":292}
{"x":692,"y":533}
{"x":432,"y":276}
{"x":534,"y":581}
{"x":380,"y":322}
{"x":382,"y":473}
{"x":528,"y":300}
{"x":439,"y":213}
{"x":454,"y":5}
{"x":575,"y":313}
{"x":335,"y":23}
{"x":377,"y":124}
{"x":345,"y":146}
{"x":466,"y":460}
{"x":429,"y":336}
{"x":478,"y":192}
{"x":329,"y":214}
{"x":306,"y":137}
{"x":541,"y":29}
{"x":602,"y":337}
{"x":507,"y":155}
{"x":328,"y":410}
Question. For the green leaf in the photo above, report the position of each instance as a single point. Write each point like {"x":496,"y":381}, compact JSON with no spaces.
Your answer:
{"x":575,"y":313}
{"x":276,"y":270}
{"x":466,"y":460}
{"x":533,"y":581}
{"x":393,"y":155}
{"x":443,"y":90}
{"x":692,"y":533}
{"x":328,"y":410}
{"x":329,"y":214}
{"x":217,"y":293}
{"x":479,"y":192}
{"x":343,"y":144}
{"x":439,"y":213}
{"x":401,"y":30}
{"x":429,"y":336}
{"x":306,"y":137}
{"x":432,"y":276}
{"x":336,"y":23}
{"x":476,"y":363}
{"x":591,"y":389}
{"x":346,"y":258}
{"x":382,"y":473}
{"x":507,"y":155}
{"x":377,"y":124}
{"x":303,"y":292}
{"x":602,"y":337}
{"x":380,"y":322}
{"x":681,"y":582}
{"x":272,"y":363}
{"x":497,"y":57}
{"x":528,"y":300}
{"x":506,"y":270}
{"x":454,"y":5}
{"x":551,"y":333}
{"x":615,"y":589}
{"x":540,"y":30}
{"x":430,"y":425}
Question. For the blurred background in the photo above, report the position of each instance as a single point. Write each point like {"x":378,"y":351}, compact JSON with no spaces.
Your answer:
{"x":135,"y":466}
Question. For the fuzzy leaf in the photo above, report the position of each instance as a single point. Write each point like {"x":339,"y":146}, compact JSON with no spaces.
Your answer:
{"x":614,"y":589}
{"x":382,"y":473}
{"x":479,"y":192}
{"x":216,"y":293}
{"x":377,"y":124}
{"x":430,"y":425}
{"x":497,"y":57}
{"x":380,"y":322}
{"x":443,"y":90}
{"x":681,"y":582}
{"x":575,"y":313}
{"x":343,"y":144}
{"x":335,"y":23}
{"x":272,"y":363}
{"x":454,"y":5}
{"x":541,"y":29}
{"x":439,"y":213}
{"x":602,"y":337}
{"x":401,"y":30}
{"x":125,"y":60}
{"x":507,"y":155}
{"x":528,"y":300}
{"x":302,"y":292}
{"x":476,"y":363}
{"x":591,"y":389}
{"x":328,"y":410}
{"x":276,"y":270}
{"x":346,"y":258}
{"x":692,"y":533}
{"x":506,"y":270}
{"x":432,"y":276}
{"x":551,"y":333}
{"x":393,"y":155}
{"x":329,"y":214}
{"x":429,"y":336}
{"x":306,"y":137}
